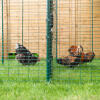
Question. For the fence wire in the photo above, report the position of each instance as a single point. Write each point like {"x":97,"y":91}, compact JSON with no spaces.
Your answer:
{"x":48,"y":29}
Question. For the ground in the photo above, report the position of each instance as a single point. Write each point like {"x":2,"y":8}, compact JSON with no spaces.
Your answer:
{"x":48,"y":91}
{"x":18,"y":82}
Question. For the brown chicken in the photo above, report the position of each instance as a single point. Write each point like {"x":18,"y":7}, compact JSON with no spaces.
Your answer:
{"x":70,"y":61}
{"x":75,"y":50}
{"x":76,"y":57}
{"x":87,"y":57}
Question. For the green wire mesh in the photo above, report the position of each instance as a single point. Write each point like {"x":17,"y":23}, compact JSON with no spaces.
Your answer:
{"x":25,"y":25}
{"x":75,"y":26}
{"x":48,"y":29}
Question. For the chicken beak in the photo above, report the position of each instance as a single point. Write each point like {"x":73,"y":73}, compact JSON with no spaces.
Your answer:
{"x":17,"y":45}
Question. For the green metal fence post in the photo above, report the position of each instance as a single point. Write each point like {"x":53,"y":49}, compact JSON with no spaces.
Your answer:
{"x":22,"y":21}
{"x":56,"y":30}
{"x":49,"y":39}
{"x":92,"y":38}
{"x":92,"y":26}
{"x":2,"y":37}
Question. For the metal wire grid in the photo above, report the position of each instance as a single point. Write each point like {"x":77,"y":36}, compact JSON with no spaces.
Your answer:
{"x":68,"y":29}
{"x":77,"y":25}
{"x":25,"y":24}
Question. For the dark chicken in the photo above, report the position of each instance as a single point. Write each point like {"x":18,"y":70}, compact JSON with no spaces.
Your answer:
{"x":24,"y":56}
{"x":69,"y":61}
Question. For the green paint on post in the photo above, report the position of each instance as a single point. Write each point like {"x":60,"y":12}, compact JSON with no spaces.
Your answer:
{"x":92,"y":26}
{"x":2,"y":37}
{"x":56,"y":30}
{"x":22,"y":20}
{"x":92,"y":36}
{"x":49,"y":40}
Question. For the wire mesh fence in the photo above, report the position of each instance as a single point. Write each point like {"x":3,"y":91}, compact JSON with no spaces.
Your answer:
{"x":77,"y":41}
{"x":50,"y":39}
{"x":24,"y":22}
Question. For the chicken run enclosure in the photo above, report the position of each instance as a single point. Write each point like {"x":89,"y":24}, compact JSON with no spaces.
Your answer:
{"x":47,"y":29}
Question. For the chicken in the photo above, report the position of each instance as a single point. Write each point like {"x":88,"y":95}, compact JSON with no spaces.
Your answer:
{"x":75,"y":50}
{"x":69,"y":61}
{"x":20,"y":49}
{"x":76,"y":57}
{"x":24,"y":56}
{"x":87,"y":57}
